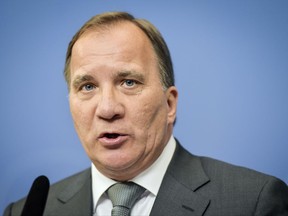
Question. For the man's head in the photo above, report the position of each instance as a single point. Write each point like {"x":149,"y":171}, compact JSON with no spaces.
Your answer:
{"x":105,"y":20}
{"x":122,"y":105}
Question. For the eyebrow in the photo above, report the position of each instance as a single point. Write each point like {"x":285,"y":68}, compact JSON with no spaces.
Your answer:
{"x":133,"y":74}
{"x":80,"y":79}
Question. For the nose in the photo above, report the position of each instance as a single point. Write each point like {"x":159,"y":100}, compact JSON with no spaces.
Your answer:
{"x":109,"y":106}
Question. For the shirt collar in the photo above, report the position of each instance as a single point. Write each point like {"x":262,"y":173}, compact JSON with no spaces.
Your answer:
{"x":155,"y":172}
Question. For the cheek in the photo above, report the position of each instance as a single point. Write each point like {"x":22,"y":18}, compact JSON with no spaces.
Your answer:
{"x":75,"y":112}
{"x":152,"y":129}
{"x":150,"y":115}
{"x":82,"y":116}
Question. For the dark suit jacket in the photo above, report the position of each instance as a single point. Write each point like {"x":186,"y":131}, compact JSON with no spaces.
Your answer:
{"x":192,"y":186}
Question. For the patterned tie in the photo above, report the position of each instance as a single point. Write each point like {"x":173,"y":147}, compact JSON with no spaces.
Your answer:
{"x":123,"y":197}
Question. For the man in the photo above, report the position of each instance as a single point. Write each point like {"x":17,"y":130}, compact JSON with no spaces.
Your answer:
{"x":123,"y":103}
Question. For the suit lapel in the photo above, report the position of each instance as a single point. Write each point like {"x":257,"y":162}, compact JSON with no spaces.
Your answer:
{"x":75,"y":198}
{"x":177,"y":195}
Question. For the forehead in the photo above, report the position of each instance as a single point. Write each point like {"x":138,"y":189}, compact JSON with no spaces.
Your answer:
{"x":121,"y":42}
{"x":117,"y":37}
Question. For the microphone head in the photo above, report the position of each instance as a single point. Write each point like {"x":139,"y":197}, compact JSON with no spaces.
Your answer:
{"x":37,"y":197}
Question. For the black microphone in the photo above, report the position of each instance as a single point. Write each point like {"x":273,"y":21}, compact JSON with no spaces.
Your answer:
{"x":37,"y":197}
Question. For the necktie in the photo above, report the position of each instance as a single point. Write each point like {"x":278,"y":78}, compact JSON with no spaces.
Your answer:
{"x":123,"y":197}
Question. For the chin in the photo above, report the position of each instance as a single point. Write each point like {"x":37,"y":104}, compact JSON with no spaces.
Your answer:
{"x":120,"y":167}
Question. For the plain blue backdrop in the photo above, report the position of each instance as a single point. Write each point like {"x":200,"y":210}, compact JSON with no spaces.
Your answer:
{"x":231,"y":66}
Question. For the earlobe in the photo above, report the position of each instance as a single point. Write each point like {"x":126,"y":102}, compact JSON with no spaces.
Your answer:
{"x":172,"y":98}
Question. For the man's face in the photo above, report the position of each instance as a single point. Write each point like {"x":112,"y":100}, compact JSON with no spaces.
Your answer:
{"x":121,"y":113}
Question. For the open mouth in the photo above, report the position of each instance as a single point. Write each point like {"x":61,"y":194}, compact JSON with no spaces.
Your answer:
{"x":113,"y":140}
{"x":111,"y":135}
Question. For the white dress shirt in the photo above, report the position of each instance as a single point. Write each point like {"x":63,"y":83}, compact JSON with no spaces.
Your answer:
{"x":150,"y":179}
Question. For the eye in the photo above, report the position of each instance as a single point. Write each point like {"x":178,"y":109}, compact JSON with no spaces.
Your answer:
{"x":129,"y":83}
{"x":87,"y":87}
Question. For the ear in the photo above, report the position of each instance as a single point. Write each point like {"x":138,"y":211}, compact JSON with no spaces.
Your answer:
{"x":172,"y":98}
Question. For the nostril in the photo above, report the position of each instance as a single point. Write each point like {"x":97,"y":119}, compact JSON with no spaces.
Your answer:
{"x":109,"y":110}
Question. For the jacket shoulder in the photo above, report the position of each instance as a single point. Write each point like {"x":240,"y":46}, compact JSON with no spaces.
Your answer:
{"x":231,"y":189}
{"x":263,"y":194}
{"x":58,"y":192}
{"x":211,"y":165}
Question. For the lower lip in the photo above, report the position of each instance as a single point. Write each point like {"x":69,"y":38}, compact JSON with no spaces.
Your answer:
{"x":113,"y":142}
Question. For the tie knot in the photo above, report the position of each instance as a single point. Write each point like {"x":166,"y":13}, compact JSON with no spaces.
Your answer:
{"x":124,"y":194}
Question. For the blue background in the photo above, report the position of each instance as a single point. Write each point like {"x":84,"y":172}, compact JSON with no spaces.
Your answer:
{"x":231,"y":66}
